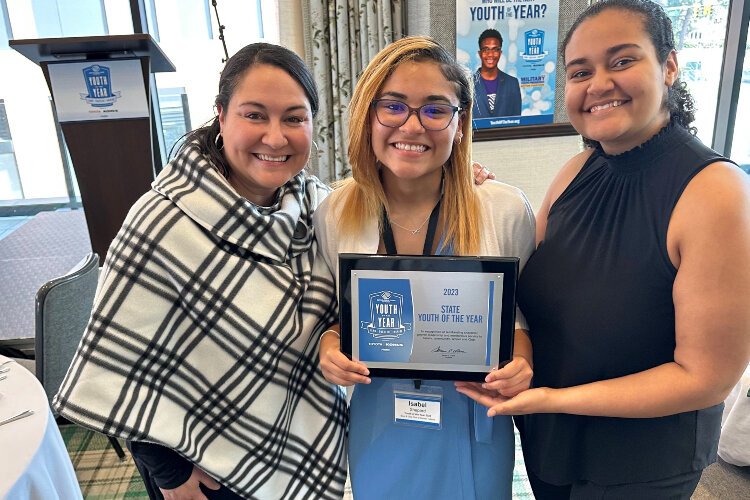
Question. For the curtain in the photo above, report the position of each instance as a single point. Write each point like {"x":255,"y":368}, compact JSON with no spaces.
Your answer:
{"x":341,"y":36}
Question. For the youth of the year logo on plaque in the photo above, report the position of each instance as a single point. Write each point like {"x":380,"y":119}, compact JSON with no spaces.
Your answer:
{"x":386,"y":333}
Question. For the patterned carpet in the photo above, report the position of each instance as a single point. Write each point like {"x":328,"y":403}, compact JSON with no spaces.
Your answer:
{"x":103,"y":477}
{"x":100,"y":473}
{"x":45,"y":247}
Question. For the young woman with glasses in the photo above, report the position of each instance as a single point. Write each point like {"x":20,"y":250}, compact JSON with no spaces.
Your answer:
{"x":409,"y":150}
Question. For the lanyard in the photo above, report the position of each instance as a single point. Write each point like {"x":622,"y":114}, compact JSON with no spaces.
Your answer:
{"x":390,"y":243}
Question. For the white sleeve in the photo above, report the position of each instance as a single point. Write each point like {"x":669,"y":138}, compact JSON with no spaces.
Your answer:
{"x":524,"y":241}
{"x":509,"y":226}
{"x":325,"y":237}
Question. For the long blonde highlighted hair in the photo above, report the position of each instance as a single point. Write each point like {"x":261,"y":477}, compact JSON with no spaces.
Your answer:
{"x":363,"y":197}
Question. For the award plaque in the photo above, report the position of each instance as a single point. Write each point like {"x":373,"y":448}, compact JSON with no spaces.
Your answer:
{"x":431,"y":317}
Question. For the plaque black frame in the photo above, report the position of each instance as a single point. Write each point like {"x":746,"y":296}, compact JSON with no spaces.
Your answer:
{"x":508,"y":266}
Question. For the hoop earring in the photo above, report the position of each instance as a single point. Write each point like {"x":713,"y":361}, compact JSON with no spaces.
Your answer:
{"x":459,"y":138}
{"x":217,"y":140}
{"x":317,"y":149}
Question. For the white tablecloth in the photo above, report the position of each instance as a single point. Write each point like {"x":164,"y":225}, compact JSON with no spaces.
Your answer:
{"x":34,"y":463}
{"x":734,"y":444}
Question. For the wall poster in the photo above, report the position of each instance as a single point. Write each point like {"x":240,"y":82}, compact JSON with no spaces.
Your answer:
{"x":510,"y":49}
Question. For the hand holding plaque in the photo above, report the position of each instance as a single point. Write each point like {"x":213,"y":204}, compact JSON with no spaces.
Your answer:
{"x":336,"y":366}
{"x":449,"y":318}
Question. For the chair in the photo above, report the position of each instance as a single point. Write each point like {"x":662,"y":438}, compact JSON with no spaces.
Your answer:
{"x":63,"y":307}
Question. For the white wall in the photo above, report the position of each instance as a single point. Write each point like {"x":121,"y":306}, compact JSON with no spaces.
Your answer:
{"x":529,"y":164}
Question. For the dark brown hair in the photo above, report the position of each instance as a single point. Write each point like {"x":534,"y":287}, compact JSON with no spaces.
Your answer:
{"x":658,"y":26}
{"x":237,"y":65}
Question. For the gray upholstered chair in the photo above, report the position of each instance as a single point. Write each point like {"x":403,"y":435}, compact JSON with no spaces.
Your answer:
{"x":63,"y":307}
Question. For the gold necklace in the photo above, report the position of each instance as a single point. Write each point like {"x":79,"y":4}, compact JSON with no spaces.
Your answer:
{"x":412,"y":231}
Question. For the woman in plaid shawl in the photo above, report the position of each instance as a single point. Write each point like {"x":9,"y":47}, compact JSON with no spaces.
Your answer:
{"x":201,"y":350}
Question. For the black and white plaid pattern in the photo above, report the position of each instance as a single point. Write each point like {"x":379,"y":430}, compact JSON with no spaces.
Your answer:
{"x":203,"y":336}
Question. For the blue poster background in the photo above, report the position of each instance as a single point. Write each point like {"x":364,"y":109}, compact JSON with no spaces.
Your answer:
{"x":386,"y":319}
{"x":530,"y":30}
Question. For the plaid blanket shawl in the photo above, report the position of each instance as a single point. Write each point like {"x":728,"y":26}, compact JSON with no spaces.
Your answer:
{"x":203,"y":336}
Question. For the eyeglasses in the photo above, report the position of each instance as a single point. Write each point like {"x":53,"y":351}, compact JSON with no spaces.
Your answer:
{"x":434,"y":117}
{"x":494,"y":50}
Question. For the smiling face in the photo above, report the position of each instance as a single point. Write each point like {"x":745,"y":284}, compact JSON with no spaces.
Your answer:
{"x":490,"y":52}
{"x":267,"y":132}
{"x":616,"y":88}
{"x":409,"y":151}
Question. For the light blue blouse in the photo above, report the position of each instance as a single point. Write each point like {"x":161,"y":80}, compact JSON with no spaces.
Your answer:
{"x":470,"y":457}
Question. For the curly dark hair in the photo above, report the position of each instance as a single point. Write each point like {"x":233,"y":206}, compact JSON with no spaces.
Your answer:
{"x":490,"y":33}
{"x":235,"y":68}
{"x":657,"y":24}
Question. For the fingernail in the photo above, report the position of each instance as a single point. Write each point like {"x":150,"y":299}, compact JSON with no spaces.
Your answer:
{"x":491,"y":413}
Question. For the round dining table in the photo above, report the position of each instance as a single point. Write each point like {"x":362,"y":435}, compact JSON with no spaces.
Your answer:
{"x":34,"y":463}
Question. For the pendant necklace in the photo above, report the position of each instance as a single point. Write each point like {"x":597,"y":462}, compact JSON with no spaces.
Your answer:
{"x":412,"y":231}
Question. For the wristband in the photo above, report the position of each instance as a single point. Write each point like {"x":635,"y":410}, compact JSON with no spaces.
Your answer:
{"x":330,"y":331}
{"x":320,"y":339}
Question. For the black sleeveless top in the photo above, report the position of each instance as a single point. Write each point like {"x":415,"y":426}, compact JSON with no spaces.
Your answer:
{"x":598,"y":298}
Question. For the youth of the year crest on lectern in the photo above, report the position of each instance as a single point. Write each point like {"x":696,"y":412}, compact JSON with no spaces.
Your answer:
{"x":99,"y":86}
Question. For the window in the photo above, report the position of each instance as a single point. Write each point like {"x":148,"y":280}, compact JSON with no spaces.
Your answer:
{"x":58,"y":18}
{"x":10,"y":184}
{"x":700,"y":31}
{"x":33,"y":164}
{"x":5,"y":32}
{"x":175,"y":116}
{"x":741,"y":138}
{"x":188,"y":34}
{"x":180,"y":19}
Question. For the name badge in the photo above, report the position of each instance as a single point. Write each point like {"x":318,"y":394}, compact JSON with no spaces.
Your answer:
{"x":421,"y":408}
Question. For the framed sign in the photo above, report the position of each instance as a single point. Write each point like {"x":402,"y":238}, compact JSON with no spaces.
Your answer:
{"x":433,"y":317}
{"x":510,"y":49}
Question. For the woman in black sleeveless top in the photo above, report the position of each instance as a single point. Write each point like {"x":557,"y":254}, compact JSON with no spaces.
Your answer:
{"x":638,"y":294}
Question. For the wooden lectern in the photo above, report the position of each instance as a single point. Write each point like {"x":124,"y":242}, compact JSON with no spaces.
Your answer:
{"x":95,"y":85}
